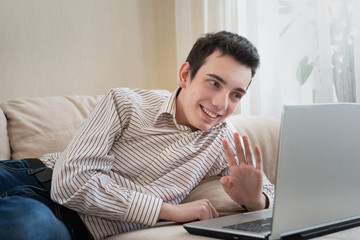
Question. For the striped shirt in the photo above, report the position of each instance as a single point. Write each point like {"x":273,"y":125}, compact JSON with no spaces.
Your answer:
{"x":129,"y":156}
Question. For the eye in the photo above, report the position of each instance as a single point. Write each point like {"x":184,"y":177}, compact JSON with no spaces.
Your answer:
{"x":214,"y":83}
{"x":237,"y":96}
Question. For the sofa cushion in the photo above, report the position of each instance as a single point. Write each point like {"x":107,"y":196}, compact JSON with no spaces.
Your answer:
{"x":4,"y":139}
{"x":37,"y":126}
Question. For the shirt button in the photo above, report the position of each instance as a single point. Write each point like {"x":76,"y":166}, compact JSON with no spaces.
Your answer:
{"x":167,"y":154}
{"x":143,"y":179}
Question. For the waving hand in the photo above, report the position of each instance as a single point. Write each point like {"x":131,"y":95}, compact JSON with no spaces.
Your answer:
{"x":244,"y":184}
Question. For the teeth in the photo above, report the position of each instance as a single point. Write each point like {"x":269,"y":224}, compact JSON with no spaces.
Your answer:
{"x":212,"y":115}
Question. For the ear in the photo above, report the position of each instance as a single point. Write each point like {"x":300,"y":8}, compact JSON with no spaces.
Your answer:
{"x":184,"y":74}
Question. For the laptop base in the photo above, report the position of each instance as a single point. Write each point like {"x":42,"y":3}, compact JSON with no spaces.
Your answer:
{"x":324,"y":230}
{"x":220,"y":235}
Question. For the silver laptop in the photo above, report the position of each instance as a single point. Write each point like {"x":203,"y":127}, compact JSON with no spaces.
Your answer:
{"x":317,"y":184}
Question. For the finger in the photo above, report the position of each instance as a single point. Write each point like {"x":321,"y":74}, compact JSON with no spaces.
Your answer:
{"x":239,"y":149}
{"x":208,"y":207}
{"x":214,"y":213}
{"x":258,"y":158}
{"x":229,"y":154}
{"x":248,"y":155}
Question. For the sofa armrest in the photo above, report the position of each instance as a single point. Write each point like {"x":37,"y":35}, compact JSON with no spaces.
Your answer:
{"x":5,"y":152}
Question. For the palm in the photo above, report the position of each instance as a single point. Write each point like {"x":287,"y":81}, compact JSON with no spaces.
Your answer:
{"x":244,"y":185}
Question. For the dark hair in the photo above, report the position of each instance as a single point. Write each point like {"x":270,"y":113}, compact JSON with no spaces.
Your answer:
{"x":229,"y":44}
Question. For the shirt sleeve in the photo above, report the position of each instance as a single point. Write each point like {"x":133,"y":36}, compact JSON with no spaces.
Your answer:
{"x":50,"y":159}
{"x":268,"y":190}
{"x":81,"y":177}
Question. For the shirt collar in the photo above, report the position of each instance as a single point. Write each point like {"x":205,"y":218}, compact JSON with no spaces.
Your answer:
{"x":167,"y":110}
{"x":169,"y":106}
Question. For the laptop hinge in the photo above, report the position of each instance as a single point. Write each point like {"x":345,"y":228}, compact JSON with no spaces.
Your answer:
{"x":316,"y":232}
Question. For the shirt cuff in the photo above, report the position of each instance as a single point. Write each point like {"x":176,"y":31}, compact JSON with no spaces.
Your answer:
{"x":144,"y":209}
{"x":270,"y":197}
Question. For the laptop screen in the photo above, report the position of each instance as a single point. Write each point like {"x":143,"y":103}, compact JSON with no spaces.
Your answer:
{"x":318,"y":167}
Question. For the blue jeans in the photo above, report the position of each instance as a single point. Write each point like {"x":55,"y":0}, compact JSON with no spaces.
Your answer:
{"x":26,"y":210}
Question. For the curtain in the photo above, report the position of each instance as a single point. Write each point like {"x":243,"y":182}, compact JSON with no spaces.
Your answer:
{"x":310,"y":50}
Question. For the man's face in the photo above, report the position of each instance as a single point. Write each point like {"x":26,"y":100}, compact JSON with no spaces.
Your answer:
{"x":213,"y":94}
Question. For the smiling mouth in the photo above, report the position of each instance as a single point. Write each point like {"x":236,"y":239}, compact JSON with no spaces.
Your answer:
{"x":210,"y":114}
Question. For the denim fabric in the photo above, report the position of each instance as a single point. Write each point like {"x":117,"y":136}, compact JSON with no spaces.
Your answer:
{"x":26,"y":210}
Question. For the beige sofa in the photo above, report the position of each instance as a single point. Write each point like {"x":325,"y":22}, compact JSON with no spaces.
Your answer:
{"x":31,"y":127}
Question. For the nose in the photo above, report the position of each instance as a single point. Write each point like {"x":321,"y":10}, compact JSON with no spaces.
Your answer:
{"x":220,"y":100}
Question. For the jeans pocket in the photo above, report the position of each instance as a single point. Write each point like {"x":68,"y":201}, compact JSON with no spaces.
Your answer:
{"x":24,"y":191}
{"x":13,"y":165}
{"x":33,"y":192}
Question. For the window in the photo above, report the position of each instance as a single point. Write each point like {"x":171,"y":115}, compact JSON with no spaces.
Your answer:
{"x":310,"y":50}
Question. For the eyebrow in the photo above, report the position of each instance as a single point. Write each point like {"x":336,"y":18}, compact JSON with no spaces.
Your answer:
{"x":217,"y":77}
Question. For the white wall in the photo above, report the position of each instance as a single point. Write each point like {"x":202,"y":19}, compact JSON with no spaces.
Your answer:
{"x":65,"y":47}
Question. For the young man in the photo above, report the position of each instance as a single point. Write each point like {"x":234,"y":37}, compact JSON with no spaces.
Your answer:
{"x":140,"y":153}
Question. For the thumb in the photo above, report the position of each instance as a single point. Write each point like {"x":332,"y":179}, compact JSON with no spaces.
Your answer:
{"x":226,"y":183}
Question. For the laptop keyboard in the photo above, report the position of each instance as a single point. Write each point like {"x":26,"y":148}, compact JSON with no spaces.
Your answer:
{"x":258,"y":226}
